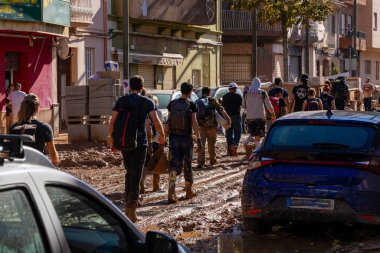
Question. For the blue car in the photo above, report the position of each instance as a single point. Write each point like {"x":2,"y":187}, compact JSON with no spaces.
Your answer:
{"x":315,"y":166}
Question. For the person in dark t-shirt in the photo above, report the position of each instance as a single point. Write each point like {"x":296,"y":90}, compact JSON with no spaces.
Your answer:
{"x":300,"y":93}
{"x":43,"y":133}
{"x":181,"y":121}
{"x":134,"y":159}
{"x":232,"y":102}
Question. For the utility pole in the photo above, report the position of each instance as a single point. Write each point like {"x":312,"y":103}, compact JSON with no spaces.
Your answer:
{"x":126,"y":41}
{"x":354,"y":29}
{"x":254,"y":43}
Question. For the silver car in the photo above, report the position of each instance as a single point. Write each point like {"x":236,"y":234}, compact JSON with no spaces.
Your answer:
{"x":46,"y":210}
{"x":164,"y":98}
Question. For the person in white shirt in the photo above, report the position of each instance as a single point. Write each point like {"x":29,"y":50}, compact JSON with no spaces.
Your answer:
{"x":15,"y":98}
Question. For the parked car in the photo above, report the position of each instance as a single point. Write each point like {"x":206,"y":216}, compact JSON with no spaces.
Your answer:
{"x":164,"y":98}
{"x":315,"y":166}
{"x":46,"y":210}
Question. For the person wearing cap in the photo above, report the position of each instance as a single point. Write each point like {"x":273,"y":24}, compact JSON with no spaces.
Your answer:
{"x":300,"y":93}
{"x":232,"y":102}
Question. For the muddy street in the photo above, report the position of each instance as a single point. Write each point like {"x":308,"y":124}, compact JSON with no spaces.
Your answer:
{"x":210,"y":222}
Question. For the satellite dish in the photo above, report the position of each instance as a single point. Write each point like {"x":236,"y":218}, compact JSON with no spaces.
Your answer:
{"x":63,"y":49}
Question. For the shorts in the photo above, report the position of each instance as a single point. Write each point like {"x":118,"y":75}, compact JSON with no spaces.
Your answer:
{"x":257,"y":127}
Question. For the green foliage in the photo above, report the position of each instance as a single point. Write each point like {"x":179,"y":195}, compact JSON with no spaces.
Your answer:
{"x":335,"y":69}
{"x":287,"y":12}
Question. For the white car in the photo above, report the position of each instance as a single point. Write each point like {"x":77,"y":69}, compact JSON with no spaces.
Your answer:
{"x":164,"y":98}
{"x":46,"y":210}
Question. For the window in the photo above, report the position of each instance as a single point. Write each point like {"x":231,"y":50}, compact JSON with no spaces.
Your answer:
{"x":344,"y":137}
{"x":88,"y":227}
{"x":89,"y":62}
{"x":343,"y":24}
{"x":377,"y":70}
{"x":349,"y":22}
{"x":375,"y":21}
{"x":367,"y":67}
{"x":19,"y":230}
{"x":333,"y":24}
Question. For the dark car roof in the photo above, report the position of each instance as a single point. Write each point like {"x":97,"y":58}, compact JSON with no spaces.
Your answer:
{"x":353,"y":116}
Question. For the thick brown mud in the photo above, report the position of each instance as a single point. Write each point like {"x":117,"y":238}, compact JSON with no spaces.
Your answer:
{"x":211,"y":221}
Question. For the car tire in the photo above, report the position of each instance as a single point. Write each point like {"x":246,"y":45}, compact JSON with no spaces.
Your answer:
{"x":256,"y":225}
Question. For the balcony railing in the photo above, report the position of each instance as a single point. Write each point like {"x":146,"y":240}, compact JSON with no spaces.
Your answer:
{"x":81,"y":13}
{"x":242,"y":21}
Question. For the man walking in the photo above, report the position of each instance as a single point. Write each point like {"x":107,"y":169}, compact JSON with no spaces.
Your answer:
{"x":232,"y":102}
{"x":207,"y":107}
{"x":134,"y":159}
{"x":300,"y":93}
{"x":278,"y":83}
{"x":340,"y":92}
{"x":182,"y":120}
{"x":368,"y":90}
{"x":255,"y":103}
{"x":15,"y":98}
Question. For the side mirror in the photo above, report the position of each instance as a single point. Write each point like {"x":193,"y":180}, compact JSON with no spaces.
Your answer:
{"x":157,"y":242}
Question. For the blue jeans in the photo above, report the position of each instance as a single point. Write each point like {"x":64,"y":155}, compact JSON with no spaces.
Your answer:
{"x":181,"y":149}
{"x":233,"y":134}
{"x":368,"y":104}
{"x":133,"y":163}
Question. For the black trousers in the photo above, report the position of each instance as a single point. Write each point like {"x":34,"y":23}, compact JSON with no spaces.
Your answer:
{"x":133,"y":163}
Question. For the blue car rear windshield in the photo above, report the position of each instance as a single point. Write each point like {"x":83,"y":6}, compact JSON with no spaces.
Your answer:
{"x":319,"y":136}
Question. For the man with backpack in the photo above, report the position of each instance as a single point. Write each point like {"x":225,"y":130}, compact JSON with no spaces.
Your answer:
{"x":328,"y":101}
{"x":127,"y":133}
{"x":300,"y":93}
{"x":312,"y":103}
{"x":182,"y":120}
{"x":207,"y":107}
{"x":278,"y":83}
{"x":340,"y":92}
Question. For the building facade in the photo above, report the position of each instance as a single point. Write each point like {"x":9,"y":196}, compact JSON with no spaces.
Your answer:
{"x":167,"y":48}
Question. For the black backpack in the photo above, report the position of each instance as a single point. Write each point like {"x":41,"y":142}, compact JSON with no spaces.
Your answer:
{"x":125,"y":129}
{"x":27,"y":129}
{"x":180,"y":117}
{"x":313,"y":104}
{"x":205,"y":114}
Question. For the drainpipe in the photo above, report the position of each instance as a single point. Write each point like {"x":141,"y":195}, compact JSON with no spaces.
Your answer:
{"x":254,"y":43}
{"x":126,"y":41}
{"x":105,"y":17}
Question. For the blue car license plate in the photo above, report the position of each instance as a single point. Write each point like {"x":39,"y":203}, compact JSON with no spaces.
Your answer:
{"x":310,"y":203}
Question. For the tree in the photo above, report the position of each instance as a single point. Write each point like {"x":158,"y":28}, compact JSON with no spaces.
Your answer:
{"x":287,"y":13}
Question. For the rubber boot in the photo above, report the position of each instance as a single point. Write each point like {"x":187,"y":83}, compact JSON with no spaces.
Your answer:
{"x":130,"y":212}
{"x":248,"y":150}
{"x":189,"y":192}
{"x":156,"y":182}
{"x":172,"y":198}
{"x":142,"y":181}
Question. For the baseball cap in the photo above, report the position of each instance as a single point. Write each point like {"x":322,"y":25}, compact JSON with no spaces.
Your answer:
{"x":232,"y":86}
{"x":304,"y":77}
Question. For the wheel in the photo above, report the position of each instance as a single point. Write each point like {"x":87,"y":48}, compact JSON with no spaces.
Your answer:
{"x":256,"y":225}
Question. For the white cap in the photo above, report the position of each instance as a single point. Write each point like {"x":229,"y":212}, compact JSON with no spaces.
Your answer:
{"x":232,"y":86}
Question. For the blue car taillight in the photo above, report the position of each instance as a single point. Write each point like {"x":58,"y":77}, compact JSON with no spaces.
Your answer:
{"x":257,"y":161}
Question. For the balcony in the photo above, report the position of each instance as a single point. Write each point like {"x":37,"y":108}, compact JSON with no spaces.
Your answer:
{"x":345,"y":42}
{"x":81,"y":13}
{"x":242,"y":21}
{"x":358,"y":2}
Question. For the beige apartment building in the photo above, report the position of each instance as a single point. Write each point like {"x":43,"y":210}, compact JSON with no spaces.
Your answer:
{"x":368,"y":22}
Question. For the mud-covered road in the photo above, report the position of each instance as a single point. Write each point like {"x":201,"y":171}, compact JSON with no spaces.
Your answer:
{"x":210,"y":222}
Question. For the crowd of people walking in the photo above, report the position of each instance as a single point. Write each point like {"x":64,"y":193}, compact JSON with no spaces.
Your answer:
{"x":194,"y":124}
